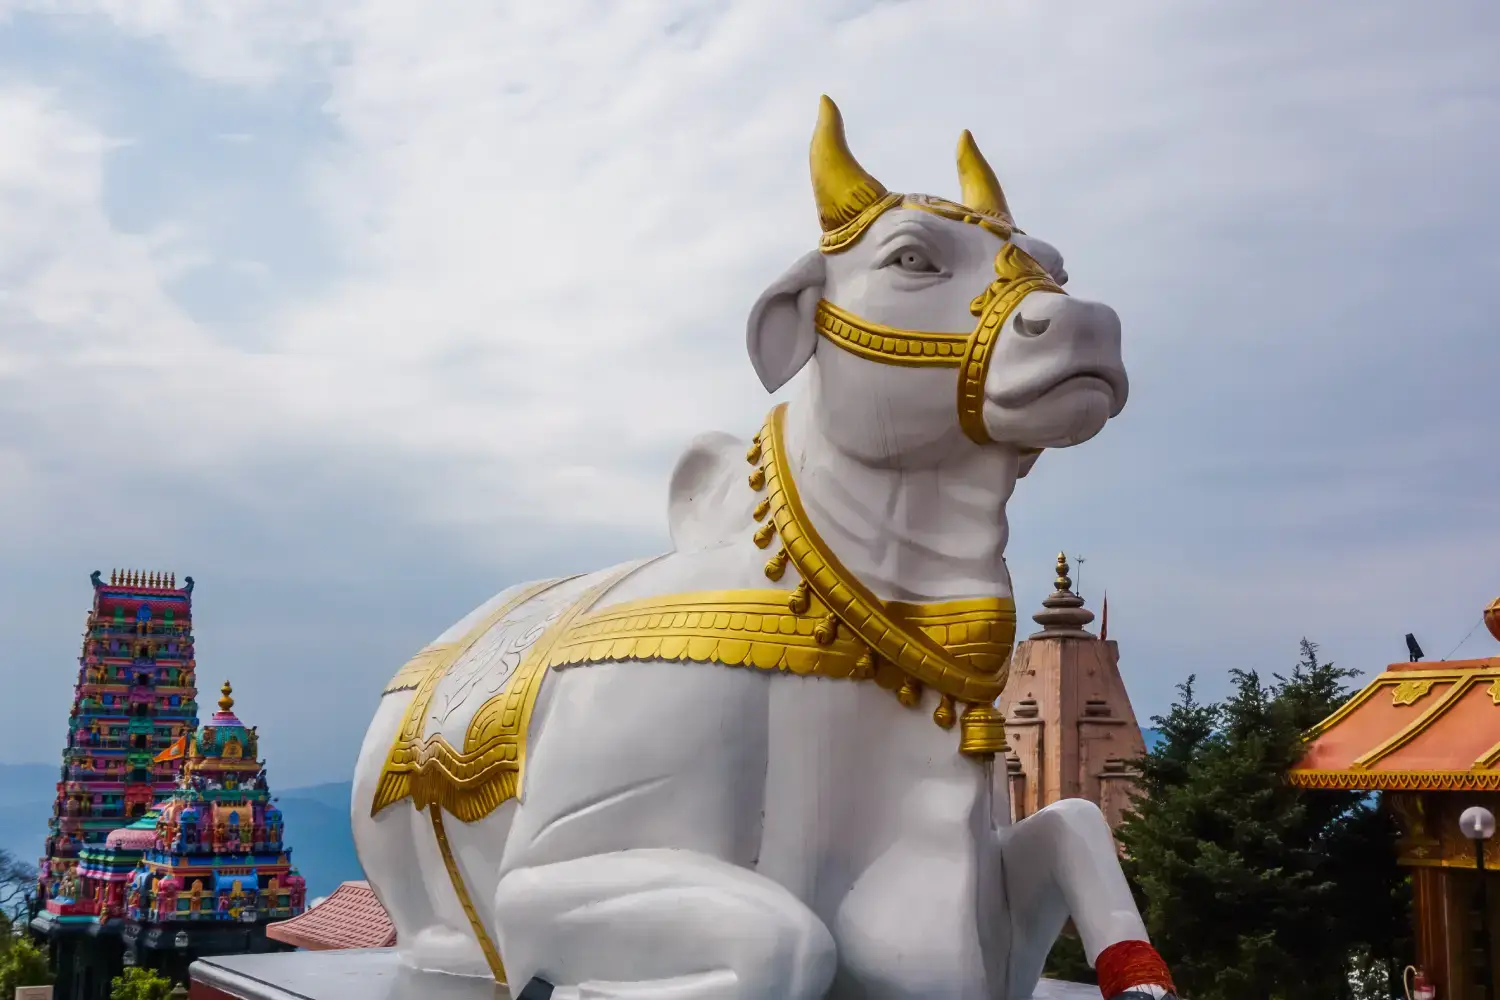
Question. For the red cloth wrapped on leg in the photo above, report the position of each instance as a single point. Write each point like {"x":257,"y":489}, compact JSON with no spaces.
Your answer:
{"x":1131,"y":963}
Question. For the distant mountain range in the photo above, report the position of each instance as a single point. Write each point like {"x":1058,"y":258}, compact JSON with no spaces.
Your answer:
{"x":317,"y":821}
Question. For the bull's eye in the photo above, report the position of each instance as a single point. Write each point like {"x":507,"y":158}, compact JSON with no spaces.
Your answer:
{"x":915,"y":261}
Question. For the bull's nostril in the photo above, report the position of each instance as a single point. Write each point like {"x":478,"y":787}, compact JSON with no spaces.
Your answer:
{"x":1031,"y":327}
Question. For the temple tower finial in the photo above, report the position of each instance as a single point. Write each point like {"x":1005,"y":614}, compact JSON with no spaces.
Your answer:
{"x":1063,"y":615}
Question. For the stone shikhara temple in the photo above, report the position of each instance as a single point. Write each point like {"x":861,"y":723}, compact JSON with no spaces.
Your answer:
{"x":165,"y":845}
{"x":1068,"y":720}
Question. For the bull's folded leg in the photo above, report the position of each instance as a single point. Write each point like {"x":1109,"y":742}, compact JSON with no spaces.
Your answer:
{"x":663,"y":924}
{"x":1061,"y":862}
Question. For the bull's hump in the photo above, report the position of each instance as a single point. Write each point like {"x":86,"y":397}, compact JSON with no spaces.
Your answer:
{"x":708,"y":503}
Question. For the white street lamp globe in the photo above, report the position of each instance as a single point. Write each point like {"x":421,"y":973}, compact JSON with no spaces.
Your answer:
{"x":1477,"y":823}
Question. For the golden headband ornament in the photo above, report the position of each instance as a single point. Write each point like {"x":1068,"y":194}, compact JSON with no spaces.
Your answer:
{"x":849,"y":200}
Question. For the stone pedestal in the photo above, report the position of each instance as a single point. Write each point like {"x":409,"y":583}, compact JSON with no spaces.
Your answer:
{"x":379,"y":975}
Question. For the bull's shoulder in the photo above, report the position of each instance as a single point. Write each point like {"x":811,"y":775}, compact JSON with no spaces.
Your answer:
{"x":707,"y":502}
{"x":440,"y":651}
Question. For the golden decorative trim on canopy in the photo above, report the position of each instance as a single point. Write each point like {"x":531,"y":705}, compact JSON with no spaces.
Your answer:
{"x":1456,"y":690}
{"x":1415,"y":727}
{"x":1399,"y":781}
{"x":1411,"y":692}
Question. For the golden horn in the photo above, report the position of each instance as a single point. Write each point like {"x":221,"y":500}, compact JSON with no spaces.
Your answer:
{"x":841,"y":187}
{"x":981,"y":188}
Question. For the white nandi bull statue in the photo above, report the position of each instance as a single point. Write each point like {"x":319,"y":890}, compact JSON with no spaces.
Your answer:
{"x":761,"y":766}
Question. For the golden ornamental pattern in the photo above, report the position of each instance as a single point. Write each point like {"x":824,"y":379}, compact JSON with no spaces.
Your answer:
{"x":1017,"y":276}
{"x":1410,"y":692}
{"x":415,"y":671}
{"x":404,"y":756}
{"x":760,"y":629}
{"x":887,"y":344}
{"x":850,"y":604}
{"x":474,"y":781}
{"x":1421,"y":781}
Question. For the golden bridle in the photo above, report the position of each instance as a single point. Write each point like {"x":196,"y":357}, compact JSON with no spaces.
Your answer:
{"x":849,"y":200}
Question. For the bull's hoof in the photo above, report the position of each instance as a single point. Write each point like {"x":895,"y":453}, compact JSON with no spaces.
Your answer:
{"x":537,"y":989}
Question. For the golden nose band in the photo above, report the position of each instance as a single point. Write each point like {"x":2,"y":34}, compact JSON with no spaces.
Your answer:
{"x":1017,"y":275}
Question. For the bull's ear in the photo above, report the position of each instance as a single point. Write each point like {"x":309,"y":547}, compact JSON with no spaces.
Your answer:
{"x":780,"y":334}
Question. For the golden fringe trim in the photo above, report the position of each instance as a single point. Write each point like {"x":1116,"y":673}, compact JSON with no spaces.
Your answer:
{"x":1398,"y":781}
{"x":415,"y":670}
{"x":488,"y":772}
{"x":751,"y":628}
{"x":405,"y":748}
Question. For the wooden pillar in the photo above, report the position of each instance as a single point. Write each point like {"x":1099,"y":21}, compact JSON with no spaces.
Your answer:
{"x":1444,"y":909}
{"x":1431,"y":914}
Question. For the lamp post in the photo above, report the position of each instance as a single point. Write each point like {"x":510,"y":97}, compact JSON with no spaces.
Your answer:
{"x":1478,"y":824}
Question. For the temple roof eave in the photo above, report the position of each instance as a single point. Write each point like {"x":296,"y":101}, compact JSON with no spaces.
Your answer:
{"x":1397,"y":781}
{"x":1415,"y":727}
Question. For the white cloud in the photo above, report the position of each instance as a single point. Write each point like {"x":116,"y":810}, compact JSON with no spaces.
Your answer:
{"x":554,"y":216}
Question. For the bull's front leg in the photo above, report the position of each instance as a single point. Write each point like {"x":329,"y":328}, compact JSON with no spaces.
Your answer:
{"x":1058,"y":863}
{"x":628,"y":871}
{"x":660,"y":925}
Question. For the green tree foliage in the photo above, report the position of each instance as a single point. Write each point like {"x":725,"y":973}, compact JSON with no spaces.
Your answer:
{"x":21,"y":964}
{"x":1253,"y":889}
{"x":140,"y":984}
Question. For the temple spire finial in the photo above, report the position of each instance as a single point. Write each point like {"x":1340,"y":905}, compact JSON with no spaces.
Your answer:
{"x":1063,"y":615}
{"x":226,"y":702}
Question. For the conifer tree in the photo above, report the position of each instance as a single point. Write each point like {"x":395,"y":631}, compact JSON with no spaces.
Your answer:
{"x":1253,"y":889}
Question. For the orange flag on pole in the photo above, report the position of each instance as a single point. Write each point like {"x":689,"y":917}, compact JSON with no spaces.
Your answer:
{"x":177,"y":750}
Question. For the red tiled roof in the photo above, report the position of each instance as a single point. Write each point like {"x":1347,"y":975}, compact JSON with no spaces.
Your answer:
{"x":351,"y":918}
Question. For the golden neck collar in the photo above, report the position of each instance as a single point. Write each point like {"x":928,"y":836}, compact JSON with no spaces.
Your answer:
{"x":828,"y":625}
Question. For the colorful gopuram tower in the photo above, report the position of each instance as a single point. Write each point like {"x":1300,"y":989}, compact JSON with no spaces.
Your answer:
{"x":164,"y":845}
{"x":136,"y":694}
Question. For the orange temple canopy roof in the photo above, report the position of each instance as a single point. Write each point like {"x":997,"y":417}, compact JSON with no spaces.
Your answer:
{"x":1417,"y":727}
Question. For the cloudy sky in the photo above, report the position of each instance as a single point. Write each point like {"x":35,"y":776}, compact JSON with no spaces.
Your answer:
{"x":359,"y":310}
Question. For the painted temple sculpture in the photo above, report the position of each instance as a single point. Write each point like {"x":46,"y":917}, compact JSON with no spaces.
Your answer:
{"x":764,"y":765}
{"x":212,"y":851}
